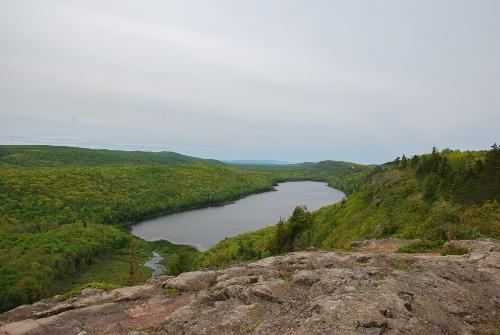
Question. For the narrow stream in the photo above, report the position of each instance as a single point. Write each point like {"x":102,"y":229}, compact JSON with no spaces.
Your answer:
{"x":155,"y":265}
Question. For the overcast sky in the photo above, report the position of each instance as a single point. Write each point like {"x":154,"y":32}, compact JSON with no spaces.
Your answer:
{"x":361,"y":81}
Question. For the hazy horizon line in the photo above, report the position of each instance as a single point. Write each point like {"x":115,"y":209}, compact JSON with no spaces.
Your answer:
{"x":69,"y":142}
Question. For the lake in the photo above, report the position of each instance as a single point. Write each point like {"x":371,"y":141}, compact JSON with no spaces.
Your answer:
{"x":203,"y":228}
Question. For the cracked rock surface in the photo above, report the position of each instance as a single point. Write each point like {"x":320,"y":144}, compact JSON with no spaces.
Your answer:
{"x":310,"y":292}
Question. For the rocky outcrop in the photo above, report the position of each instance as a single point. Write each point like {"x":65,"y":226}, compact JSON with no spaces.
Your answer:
{"x":311,"y":292}
{"x":191,"y":281}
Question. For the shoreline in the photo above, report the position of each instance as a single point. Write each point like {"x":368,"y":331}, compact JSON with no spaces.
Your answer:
{"x":199,"y":245}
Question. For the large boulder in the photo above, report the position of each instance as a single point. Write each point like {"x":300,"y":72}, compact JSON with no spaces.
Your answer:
{"x":305,"y":277}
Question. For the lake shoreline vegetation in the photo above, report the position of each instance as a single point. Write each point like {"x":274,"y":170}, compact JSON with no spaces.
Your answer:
{"x":64,"y":211}
{"x":430,"y":198}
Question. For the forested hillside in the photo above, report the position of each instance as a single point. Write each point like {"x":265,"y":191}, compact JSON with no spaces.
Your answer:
{"x":62,"y":209}
{"x":45,"y":155}
{"x":438,"y":196}
{"x":434,"y":197}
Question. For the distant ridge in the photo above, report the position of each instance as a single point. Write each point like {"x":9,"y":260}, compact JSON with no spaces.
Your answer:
{"x":48,"y":155}
{"x":257,"y":162}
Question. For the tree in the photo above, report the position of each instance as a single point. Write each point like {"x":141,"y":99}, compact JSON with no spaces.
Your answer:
{"x":245,"y":250}
{"x":491,"y":173}
{"x":414,"y":161}
{"x":431,"y":187}
{"x":133,"y":264}
{"x":288,"y":232}
{"x":404,"y":162}
{"x":182,"y":262}
{"x":278,"y":241}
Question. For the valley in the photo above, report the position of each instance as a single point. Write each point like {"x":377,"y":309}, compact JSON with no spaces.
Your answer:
{"x":64,"y":211}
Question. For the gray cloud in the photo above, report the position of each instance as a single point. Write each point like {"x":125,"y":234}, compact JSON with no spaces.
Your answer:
{"x":291,"y":80}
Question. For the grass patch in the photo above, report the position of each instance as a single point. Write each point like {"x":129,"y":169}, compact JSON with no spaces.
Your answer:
{"x":496,"y":332}
{"x":110,"y":269}
{"x":454,"y":251}
{"x":113,"y":269}
{"x":171,"y":291}
{"x":78,"y":290}
{"x":425,"y":246}
{"x":151,"y":329}
{"x":422,"y":246}
{"x":401,"y":264}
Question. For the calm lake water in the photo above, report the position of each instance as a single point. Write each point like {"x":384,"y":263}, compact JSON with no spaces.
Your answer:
{"x":204,"y":227}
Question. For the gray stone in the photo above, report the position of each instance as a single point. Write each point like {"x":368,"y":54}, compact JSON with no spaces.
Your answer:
{"x":191,"y":281}
{"x":309,"y":293}
{"x":305,"y":277}
{"x":87,"y":292}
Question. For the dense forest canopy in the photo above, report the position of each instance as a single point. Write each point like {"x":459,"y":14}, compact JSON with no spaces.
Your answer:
{"x":61,"y":208}
{"x":45,"y":155}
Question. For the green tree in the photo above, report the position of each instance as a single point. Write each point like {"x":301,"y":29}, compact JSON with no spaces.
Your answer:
{"x":431,"y":187}
{"x":183,"y":261}
{"x":414,"y":161}
{"x":404,"y":162}
{"x":133,"y":264}
{"x":288,"y":233}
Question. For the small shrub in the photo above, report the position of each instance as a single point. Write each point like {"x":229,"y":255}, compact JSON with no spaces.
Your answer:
{"x":171,"y":291}
{"x":77,"y":291}
{"x":422,"y":246}
{"x":184,"y":261}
